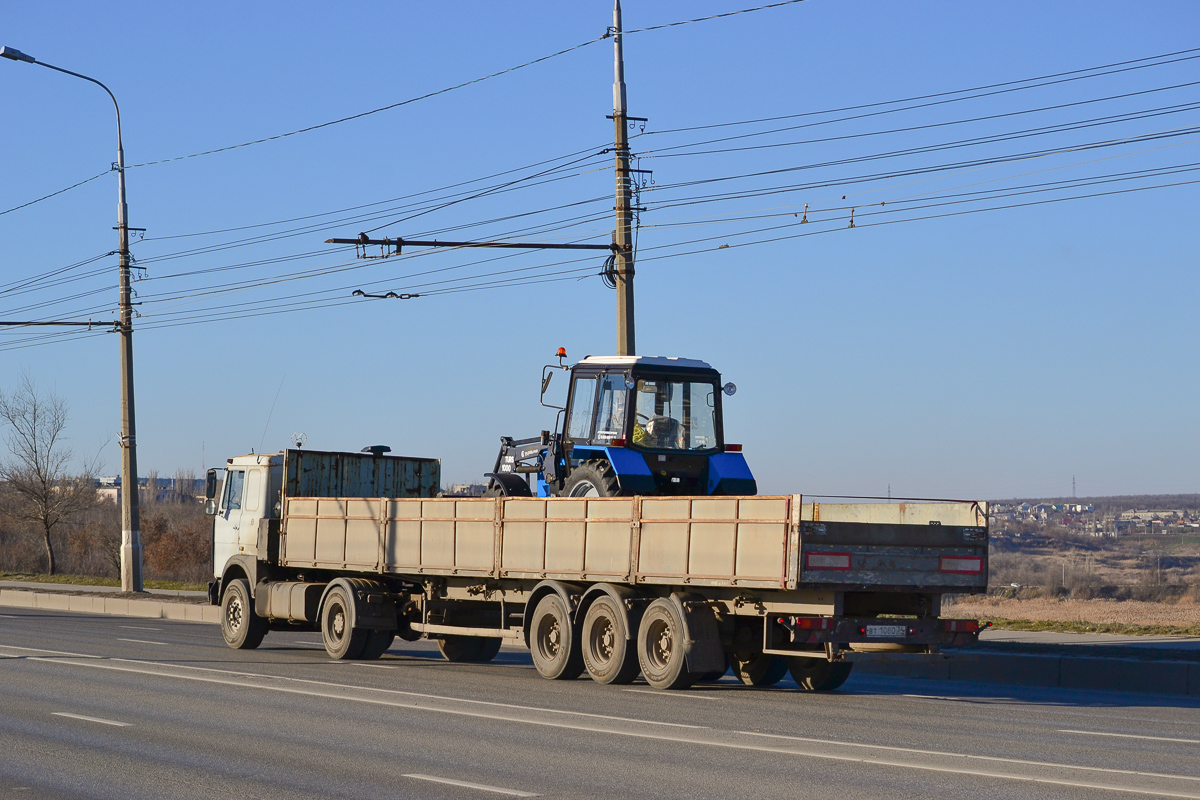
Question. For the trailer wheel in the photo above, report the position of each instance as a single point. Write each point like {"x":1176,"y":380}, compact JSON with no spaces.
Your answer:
{"x":817,"y":674}
{"x":342,"y":640}
{"x":552,"y":641}
{"x":241,"y":627}
{"x":593,"y":478}
{"x":751,"y":666}
{"x":759,"y":669}
{"x":377,"y":644}
{"x":459,"y":649}
{"x":608,"y":653}
{"x":489,"y":648}
{"x":660,"y":647}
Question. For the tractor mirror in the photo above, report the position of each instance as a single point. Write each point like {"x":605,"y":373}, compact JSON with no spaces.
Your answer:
{"x":546,"y":381}
{"x":729,"y":389}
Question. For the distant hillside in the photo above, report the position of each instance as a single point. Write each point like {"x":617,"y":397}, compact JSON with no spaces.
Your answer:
{"x":1117,"y":503}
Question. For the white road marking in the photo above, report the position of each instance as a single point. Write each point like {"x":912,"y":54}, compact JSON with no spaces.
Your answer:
{"x":44,"y":650}
{"x":138,"y":628}
{"x":92,"y":719}
{"x":467,"y":785}
{"x":377,"y":666}
{"x":706,"y":738}
{"x":662,"y":693}
{"x":1132,"y":736}
{"x":142,"y":641}
{"x":10,"y":616}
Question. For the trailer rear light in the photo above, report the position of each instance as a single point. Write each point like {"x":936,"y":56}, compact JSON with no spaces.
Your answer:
{"x":966,"y":565}
{"x":807,"y":623}
{"x":827,"y":560}
{"x":617,"y":443}
{"x":960,"y":625}
{"x":733,"y":448}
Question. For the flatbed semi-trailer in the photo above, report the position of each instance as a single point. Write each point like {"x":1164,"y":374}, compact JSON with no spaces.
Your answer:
{"x":679,"y":589}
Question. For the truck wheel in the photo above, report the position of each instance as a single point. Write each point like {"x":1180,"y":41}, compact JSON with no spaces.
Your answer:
{"x":377,"y":644}
{"x":341,"y":640}
{"x":552,"y":641}
{"x":489,"y":648}
{"x":594,"y":478}
{"x":817,"y":674}
{"x":660,"y":647}
{"x":608,"y":654}
{"x":241,"y":627}
{"x":751,"y":666}
{"x":759,"y":669}
{"x":459,"y":649}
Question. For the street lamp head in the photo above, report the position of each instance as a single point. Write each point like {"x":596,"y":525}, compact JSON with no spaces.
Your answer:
{"x":16,"y":55}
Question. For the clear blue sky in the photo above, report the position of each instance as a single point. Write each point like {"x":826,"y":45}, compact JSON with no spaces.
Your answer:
{"x":989,"y":355}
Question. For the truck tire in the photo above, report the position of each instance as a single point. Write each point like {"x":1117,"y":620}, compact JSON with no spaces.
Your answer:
{"x":759,"y":669}
{"x":608,"y":654}
{"x":342,"y":640}
{"x":660,"y":647}
{"x":459,"y":649}
{"x":817,"y":674}
{"x":489,"y":648}
{"x":241,"y":627}
{"x":553,"y":641}
{"x":593,"y":478}
{"x":751,"y":666}
{"x":377,"y":644}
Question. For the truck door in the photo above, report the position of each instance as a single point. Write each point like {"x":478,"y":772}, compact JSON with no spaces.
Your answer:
{"x":227,"y":539}
{"x":253,"y":495}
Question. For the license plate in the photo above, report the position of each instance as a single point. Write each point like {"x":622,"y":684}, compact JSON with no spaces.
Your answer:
{"x":890,"y":631}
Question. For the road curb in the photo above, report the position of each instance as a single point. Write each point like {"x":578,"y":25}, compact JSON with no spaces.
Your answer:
{"x":1051,"y":671}
{"x":119,"y":606}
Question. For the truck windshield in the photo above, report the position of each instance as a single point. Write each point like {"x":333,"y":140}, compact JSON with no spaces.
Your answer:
{"x":675,"y":415}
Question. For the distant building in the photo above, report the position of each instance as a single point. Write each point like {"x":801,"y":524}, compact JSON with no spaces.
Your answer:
{"x":109,"y":488}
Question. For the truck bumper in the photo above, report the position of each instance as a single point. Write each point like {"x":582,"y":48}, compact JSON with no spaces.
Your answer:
{"x":869,"y":634}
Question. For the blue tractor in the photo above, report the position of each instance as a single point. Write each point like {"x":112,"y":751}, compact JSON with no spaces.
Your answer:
{"x":632,"y":425}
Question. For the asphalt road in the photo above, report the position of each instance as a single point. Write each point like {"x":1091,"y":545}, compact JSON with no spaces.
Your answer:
{"x":114,"y":707}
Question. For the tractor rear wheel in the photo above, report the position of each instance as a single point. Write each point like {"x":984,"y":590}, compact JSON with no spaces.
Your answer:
{"x":593,"y":478}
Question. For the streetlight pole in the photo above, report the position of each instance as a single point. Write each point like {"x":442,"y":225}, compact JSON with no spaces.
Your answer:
{"x":131,"y":538}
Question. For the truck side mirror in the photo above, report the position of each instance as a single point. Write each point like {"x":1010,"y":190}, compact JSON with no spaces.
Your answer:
{"x":210,"y":484}
{"x":210,"y":507}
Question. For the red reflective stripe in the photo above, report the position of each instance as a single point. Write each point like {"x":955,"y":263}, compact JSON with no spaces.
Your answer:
{"x":733,"y":448}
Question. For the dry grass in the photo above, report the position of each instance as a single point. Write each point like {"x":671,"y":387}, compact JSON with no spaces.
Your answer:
{"x":1048,"y":613}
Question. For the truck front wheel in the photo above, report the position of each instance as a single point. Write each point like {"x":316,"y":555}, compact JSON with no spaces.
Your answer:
{"x":241,"y":627}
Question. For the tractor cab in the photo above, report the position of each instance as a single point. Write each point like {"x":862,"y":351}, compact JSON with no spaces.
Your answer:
{"x":632,"y":425}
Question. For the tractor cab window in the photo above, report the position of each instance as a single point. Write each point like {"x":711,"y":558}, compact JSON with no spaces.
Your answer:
{"x":610,"y":411}
{"x":675,"y":415}
{"x":583,"y":404}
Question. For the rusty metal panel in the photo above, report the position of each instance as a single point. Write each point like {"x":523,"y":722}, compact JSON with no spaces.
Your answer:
{"x":474,"y":534}
{"x":936,"y":513}
{"x":524,"y":543}
{"x":313,"y":473}
{"x":607,"y":549}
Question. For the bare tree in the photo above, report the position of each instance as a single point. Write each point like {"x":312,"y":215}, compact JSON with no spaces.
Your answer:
{"x":38,"y":489}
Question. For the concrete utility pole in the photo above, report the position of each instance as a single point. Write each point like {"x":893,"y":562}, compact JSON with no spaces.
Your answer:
{"x":623,"y":237}
{"x":131,"y":539}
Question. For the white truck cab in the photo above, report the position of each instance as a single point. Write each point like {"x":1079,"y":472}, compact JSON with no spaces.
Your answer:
{"x":248,"y":495}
